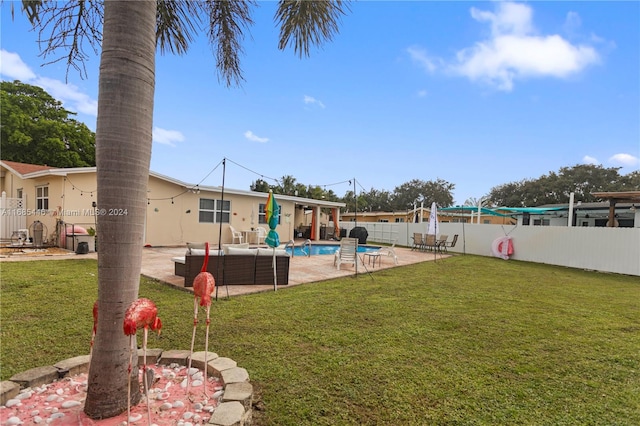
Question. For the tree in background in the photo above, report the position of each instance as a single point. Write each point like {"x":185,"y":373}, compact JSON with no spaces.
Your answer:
{"x":260,"y":185}
{"x":630,"y":182}
{"x":583,"y":180}
{"x":553,"y":188}
{"x":403,"y":198}
{"x":379,"y":200}
{"x":287,"y":185}
{"x":128,"y":33}
{"x":36,"y":129}
{"x":418,"y":191}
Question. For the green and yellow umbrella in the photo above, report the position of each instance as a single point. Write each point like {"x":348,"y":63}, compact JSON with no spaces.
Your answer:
{"x":272,"y":216}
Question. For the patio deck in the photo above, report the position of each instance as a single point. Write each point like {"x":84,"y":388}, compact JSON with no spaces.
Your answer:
{"x":157,"y":264}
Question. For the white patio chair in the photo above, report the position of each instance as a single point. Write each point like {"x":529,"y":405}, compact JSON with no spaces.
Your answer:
{"x":389,"y":251}
{"x":262,"y":234}
{"x":236,"y":235}
{"x":347,"y":253}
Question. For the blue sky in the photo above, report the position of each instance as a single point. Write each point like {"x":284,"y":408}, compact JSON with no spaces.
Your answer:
{"x":478,"y":94}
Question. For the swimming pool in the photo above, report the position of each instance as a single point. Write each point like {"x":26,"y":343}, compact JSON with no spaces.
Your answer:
{"x":321,"y":249}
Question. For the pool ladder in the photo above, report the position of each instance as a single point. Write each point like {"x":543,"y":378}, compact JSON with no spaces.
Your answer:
{"x":292,"y":244}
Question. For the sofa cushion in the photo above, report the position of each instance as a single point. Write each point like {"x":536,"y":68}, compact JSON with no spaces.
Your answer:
{"x":196,"y":246}
{"x":269,"y":252}
{"x":201,"y":252}
{"x":226,"y":247}
{"x":242,"y":251}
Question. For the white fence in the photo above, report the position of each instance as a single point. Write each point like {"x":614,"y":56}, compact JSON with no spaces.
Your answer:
{"x":614,"y":250}
{"x":12,"y":215}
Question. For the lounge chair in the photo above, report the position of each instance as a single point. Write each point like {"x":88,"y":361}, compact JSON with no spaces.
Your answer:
{"x":389,"y":251}
{"x":452,"y":243}
{"x":430,"y":242}
{"x":236,"y":235}
{"x":347,"y":253}
{"x":441,"y":241}
{"x":418,"y":241}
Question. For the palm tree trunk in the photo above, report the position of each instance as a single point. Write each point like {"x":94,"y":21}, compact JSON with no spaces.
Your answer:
{"x":123,"y":155}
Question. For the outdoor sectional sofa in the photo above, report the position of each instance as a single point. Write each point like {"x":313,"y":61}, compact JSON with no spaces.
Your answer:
{"x":236,"y":266}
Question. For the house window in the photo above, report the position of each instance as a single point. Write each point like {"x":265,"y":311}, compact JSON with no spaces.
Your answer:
{"x":214,"y":211}
{"x":399,"y":220}
{"x":541,"y":222}
{"x":19,"y":193}
{"x":262,"y":215}
{"x":42,"y":198}
{"x":383,"y":220}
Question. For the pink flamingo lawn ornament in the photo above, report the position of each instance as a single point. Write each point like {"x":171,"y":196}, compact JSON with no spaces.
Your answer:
{"x":95,"y":328}
{"x":142,"y":313}
{"x":203,"y":287}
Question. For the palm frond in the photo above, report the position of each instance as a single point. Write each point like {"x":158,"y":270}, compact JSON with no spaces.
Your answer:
{"x":227,"y":21}
{"x":308,"y":22}
{"x":176,"y":24}
{"x":67,"y":26}
{"x":31,"y":8}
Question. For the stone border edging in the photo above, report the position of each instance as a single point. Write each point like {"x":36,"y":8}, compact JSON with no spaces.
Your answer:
{"x":235,"y":408}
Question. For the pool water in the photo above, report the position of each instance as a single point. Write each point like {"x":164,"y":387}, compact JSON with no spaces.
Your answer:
{"x":321,"y":249}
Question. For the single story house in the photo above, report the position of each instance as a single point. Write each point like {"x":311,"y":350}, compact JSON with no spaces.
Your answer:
{"x":59,"y":199}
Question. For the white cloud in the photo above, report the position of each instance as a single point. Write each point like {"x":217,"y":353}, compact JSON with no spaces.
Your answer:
{"x":421,"y":57}
{"x":508,"y":57}
{"x":511,"y":18}
{"x":313,"y":101}
{"x":572,"y":23}
{"x":422,"y":93}
{"x":624,"y":160}
{"x":12,"y":67}
{"x":72,"y":97}
{"x":514,"y":51}
{"x":167,"y":137}
{"x":254,"y":138}
{"x":590,"y":160}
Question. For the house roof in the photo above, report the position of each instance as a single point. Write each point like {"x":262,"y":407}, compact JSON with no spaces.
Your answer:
{"x":24,"y":168}
{"x":33,"y":170}
{"x":297,"y":200}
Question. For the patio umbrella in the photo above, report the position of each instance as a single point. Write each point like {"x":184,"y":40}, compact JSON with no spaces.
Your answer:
{"x":433,"y":220}
{"x":272,"y":215}
{"x":433,"y":225}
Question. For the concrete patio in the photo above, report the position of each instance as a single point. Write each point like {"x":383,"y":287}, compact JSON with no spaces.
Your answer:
{"x":157,"y":265}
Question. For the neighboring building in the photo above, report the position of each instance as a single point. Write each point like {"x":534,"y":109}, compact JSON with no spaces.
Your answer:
{"x":177,"y":212}
{"x":421,"y":214}
{"x":625,"y":211}
{"x":597,"y":214}
{"x":385,"y":217}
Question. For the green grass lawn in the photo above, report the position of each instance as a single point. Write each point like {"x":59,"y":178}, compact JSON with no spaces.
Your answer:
{"x":465,"y":340}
